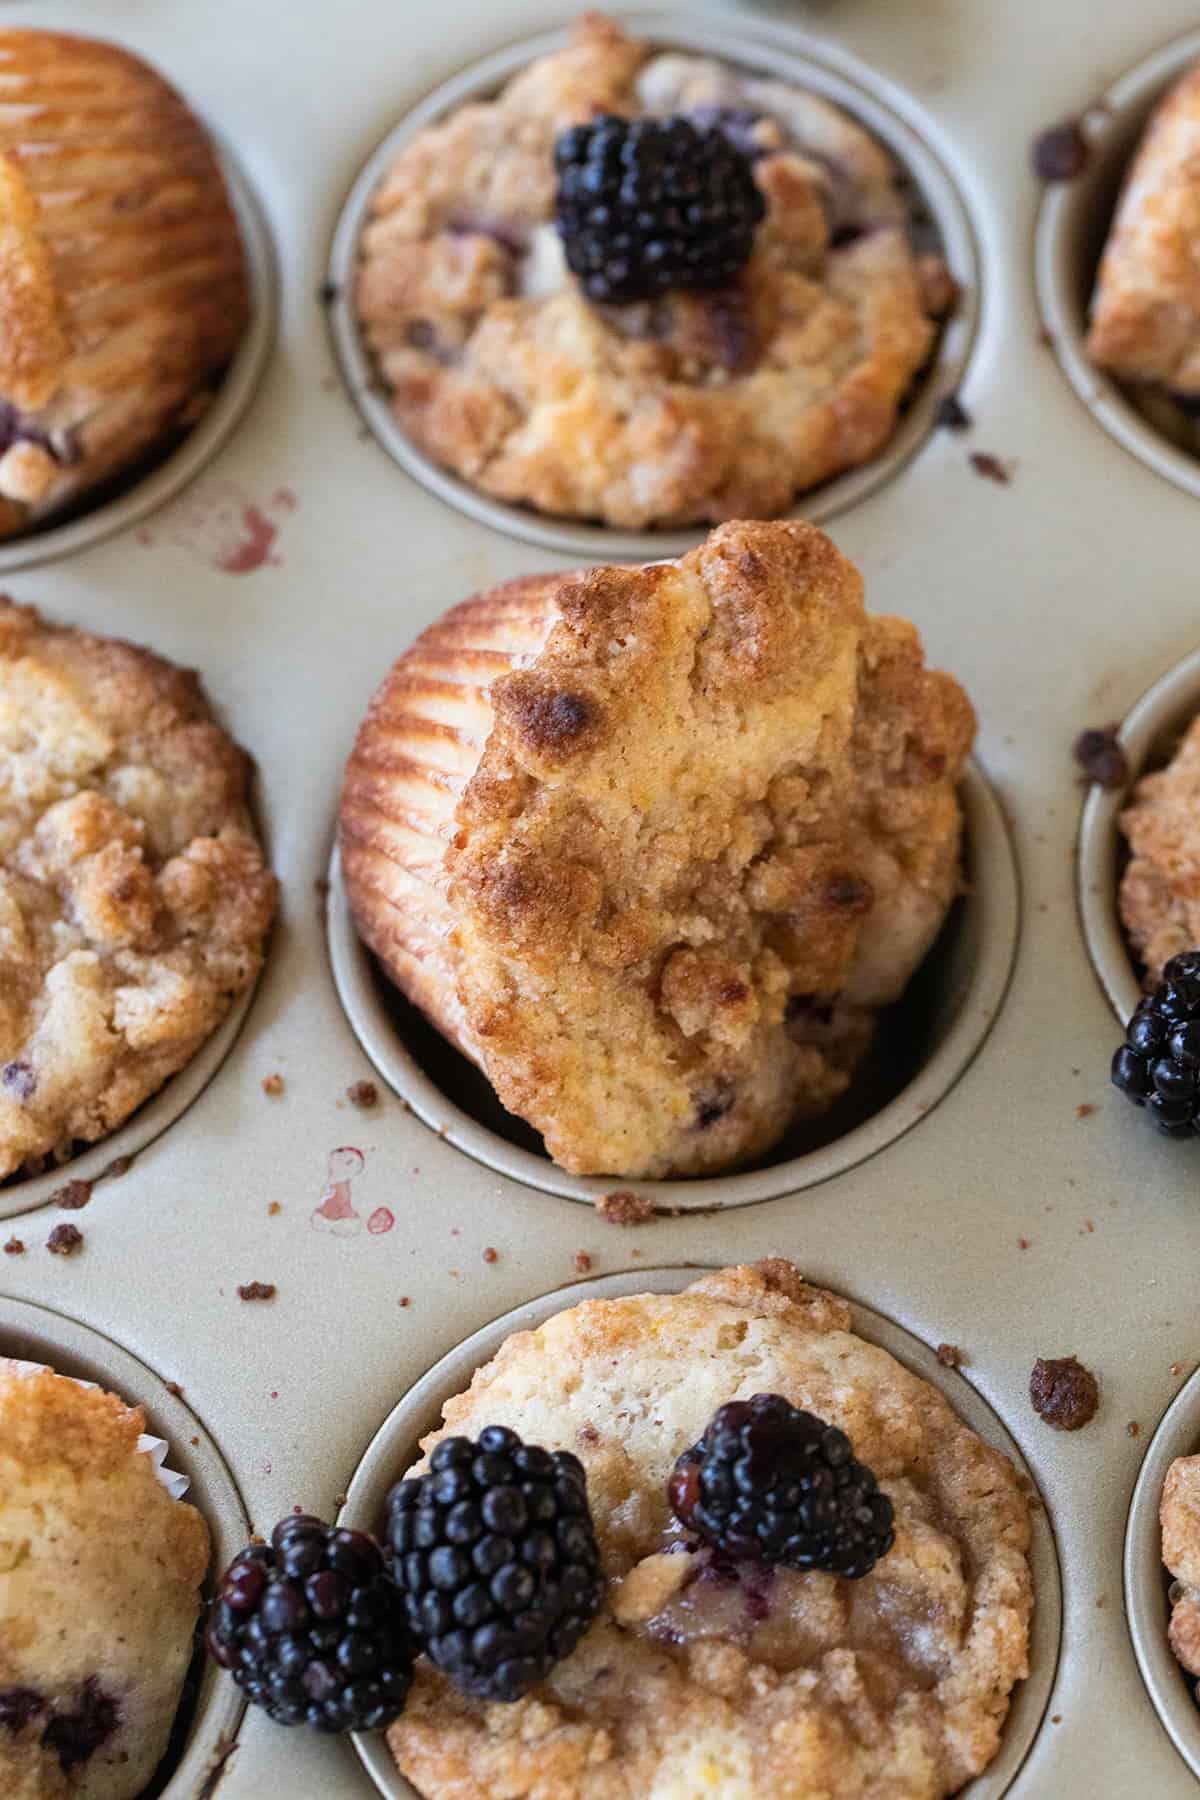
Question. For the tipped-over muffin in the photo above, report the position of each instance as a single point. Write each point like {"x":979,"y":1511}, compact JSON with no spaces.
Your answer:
{"x":122,"y":286}
{"x":134,"y":900}
{"x":716,"y":1672}
{"x":649,"y":289}
{"x":1160,"y":889}
{"x":654,"y":845}
{"x":100,"y":1573}
{"x":1145,"y":321}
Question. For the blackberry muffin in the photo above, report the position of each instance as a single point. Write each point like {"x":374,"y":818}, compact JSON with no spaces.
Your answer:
{"x":645,"y":288}
{"x":654,"y":845}
{"x":1159,"y":896}
{"x":708,"y":1670}
{"x":1145,"y":324}
{"x":134,"y":900}
{"x":100,"y":1573}
{"x":122,"y":286}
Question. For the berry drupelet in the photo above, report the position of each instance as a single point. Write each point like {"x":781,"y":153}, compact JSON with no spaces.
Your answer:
{"x":772,"y":1483}
{"x":311,"y":1628}
{"x":1158,"y":1065}
{"x":495,"y":1553}
{"x":652,"y":204}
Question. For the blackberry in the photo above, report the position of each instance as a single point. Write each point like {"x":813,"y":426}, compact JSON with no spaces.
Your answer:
{"x":652,"y":204}
{"x":495,"y":1553}
{"x":772,"y":1483}
{"x":1158,"y":1065}
{"x":311,"y":1628}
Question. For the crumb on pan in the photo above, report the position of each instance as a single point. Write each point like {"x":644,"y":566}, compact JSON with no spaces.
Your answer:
{"x":1101,"y":757}
{"x":65,"y":1240}
{"x":624,"y":1207}
{"x":257,"y":1290}
{"x":1063,"y":1392}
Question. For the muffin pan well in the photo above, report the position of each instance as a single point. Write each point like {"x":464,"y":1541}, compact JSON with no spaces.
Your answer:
{"x":129,"y":498}
{"x":211,"y":1708}
{"x":924,"y":1043}
{"x":806,"y":61}
{"x":1072,"y":226}
{"x":394,"y":1449}
{"x":1029,"y":1213}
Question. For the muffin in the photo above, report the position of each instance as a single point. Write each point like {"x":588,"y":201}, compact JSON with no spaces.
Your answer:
{"x":1159,"y":897}
{"x":705,"y":1674}
{"x":1145,"y":322}
{"x":653,"y":846}
{"x":122,"y":285}
{"x":1179,"y":1516}
{"x":134,"y":900}
{"x":670,"y":384}
{"x":100,"y":1573}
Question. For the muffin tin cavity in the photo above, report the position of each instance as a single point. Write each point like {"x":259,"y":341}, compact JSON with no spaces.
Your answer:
{"x":783,"y":54}
{"x":212,"y":1707}
{"x":1147,"y":1582}
{"x":924,"y":1044}
{"x":129,"y":497}
{"x":21,"y":1194}
{"x":1149,"y":736}
{"x":394,"y":1448}
{"x":1072,"y":227}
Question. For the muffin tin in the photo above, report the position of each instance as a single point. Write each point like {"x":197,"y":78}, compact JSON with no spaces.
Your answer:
{"x":1030,"y":1212}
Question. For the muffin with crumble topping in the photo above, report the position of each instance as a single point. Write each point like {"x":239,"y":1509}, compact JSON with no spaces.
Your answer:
{"x":654,"y":846}
{"x":714,"y":1670}
{"x":646,"y":288}
{"x":134,"y":897}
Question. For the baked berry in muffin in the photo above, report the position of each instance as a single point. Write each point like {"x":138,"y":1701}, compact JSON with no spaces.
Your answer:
{"x":100,"y":1573}
{"x":713,"y":1670}
{"x":134,"y":900}
{"x":581,"y":307}
{"x":122,"y":286}
{"x":1160,"y":888}
{"x":1145,"y":324}
{"x":654,"y":845}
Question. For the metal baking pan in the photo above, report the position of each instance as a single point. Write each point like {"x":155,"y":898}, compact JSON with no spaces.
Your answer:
{"x":1004,"y":1199}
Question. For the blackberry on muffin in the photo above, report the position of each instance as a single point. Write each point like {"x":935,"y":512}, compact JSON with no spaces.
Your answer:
{"x":134,"y":897}
{"x":646,"y":288}
{"x":99,"y":1603}
{"x":496,"y":1556}
{"x":774,"y":1483}
{"x":1158,"y":1065}
{"x":704,"y":1671}
{"x":655,"y":846}
{"x":125,"y":293}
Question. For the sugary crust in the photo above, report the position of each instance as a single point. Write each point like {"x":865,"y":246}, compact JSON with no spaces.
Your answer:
{"x":122,"y":285}
{"x":689,"y":1685}
{"x":1160,"y":889}
{"x":100,"y":1574}
{"x":134,"y":902}
{"x":604,"y":828}
{"x":1146,"y":309}
{"x":1179,"y":1516}
{"x":695,"y":409}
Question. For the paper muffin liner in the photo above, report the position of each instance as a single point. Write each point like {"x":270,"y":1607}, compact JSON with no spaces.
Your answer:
{"x":421,"y":743}
{"x":156,"y":1448}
